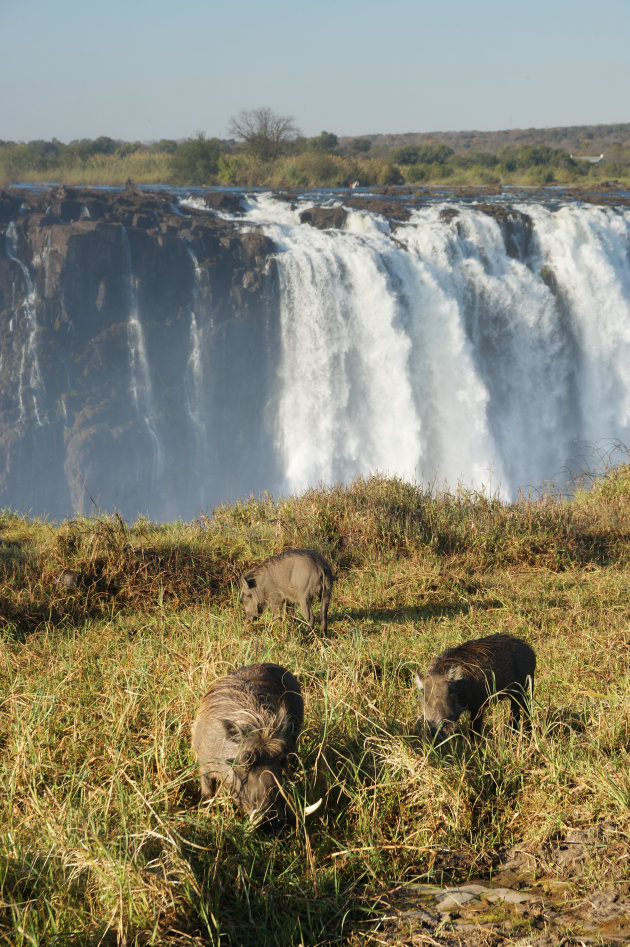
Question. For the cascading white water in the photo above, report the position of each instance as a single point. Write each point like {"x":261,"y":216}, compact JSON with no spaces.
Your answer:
{"x":432,"y":353}
{"x":193,"y":380}
{"x":481,"y":345}
{"x":141,"y":386}
{"x":194,"y":376}
{"x":44,"y":262}
{"x":339,"y":323}
{"x":484,"y":328}
{"x":29,"y":374}
{"x":589,"y":252}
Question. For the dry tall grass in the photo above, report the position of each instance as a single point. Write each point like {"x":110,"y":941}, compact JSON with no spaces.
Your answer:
{"x":104,"y":839}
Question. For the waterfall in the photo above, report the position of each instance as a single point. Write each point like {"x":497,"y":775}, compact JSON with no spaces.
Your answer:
{"x":194,"y":378}
{"x":197,"y":406}
{"x":141,"y":386}
{"x":193,"y":381}
{"x":588,"y":251}
{"x":438,"y":352}
{"x":30,"y":382}
{"x":45,"y":263}
{"x":245,"y":349}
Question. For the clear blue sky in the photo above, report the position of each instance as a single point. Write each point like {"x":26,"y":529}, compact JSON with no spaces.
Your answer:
{"x":150,"y":69}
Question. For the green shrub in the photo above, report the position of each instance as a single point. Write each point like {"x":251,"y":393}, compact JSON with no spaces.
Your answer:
{"x":195,"y":161}
{"x":324,"y":143}
{"x":415,"y":173}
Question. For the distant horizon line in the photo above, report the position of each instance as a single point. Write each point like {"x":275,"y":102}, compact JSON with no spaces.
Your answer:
{"x":341,"y":137}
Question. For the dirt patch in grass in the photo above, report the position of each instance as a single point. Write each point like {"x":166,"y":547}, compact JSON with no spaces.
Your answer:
{"x":539,"y":899}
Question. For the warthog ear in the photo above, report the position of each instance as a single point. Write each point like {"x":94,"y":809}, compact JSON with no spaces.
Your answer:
{"x":247,"y":582}
{"x":455,"y":673}
{"x":286,"y":725}
{"x":419,"y":682}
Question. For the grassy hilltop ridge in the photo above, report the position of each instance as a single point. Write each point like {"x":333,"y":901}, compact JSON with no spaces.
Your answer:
{"x":104,"y":839}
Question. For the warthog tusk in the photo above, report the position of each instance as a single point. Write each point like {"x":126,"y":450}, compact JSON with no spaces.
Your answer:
{"x":310,"y":809}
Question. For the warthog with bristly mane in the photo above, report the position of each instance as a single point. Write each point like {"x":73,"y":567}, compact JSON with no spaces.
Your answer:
{"x":465,"y":677}
{"x":247,"y":725}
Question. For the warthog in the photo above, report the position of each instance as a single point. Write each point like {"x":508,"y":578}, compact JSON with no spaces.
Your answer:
{"x":69,"y":578}
{"x":247,"y":724}
{"x":463,"y":678}
{"x":295,"y":577}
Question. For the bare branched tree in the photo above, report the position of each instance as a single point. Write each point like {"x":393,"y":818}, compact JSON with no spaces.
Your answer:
{"x":263,"y":131}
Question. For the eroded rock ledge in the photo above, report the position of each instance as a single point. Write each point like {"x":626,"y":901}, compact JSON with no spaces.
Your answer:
{"x":109,"y":301}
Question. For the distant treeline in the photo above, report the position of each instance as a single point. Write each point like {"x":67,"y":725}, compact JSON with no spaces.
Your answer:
{"x":573,"y":139}
{"x":268,"y":154}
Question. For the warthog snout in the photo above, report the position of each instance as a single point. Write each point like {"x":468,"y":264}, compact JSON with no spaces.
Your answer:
{"x":442,"y":729}
{"x":263,"y":799}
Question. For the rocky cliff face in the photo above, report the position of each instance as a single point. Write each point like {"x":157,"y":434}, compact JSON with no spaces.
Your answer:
{"x":162,"y":358}
{"x":117,"y":311}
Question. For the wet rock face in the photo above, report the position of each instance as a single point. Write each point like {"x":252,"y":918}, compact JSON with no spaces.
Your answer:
{"x":393,"y":210}
{"x":116,"y":310}
{"x":324,"y":218}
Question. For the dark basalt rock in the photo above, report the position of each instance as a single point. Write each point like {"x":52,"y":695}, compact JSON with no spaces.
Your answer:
{"x":325,"y":218}
{"x":71,"y":426}
{"x":517,"y":228}
{"x":9,"y":206}
{"x":220,"y":200}
{"x":548,"y":276}
{"x":392,"y":209}
{"x":449,"y":213}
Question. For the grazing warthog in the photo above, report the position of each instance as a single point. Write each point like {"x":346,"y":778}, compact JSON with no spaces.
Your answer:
{"x":247,"y":724}
{"x":295,"y":577}
{"x":69,"y":578}
{"x":463,"y":678}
